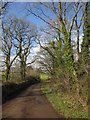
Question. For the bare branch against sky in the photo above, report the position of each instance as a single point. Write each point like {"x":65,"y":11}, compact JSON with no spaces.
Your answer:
{"x":46,"y":0}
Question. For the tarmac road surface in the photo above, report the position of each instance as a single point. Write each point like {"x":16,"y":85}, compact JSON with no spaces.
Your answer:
{"x":31,"y":103}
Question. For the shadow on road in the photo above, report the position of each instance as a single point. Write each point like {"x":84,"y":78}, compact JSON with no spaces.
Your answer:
{"x":31,"y":94}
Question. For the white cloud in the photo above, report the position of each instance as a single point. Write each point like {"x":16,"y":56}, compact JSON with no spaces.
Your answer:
{"x":80,"y":41}
{"x":35,"y":50}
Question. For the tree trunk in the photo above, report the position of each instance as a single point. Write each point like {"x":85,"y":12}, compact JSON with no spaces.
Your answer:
{"x":21,"y":71}
{"x":69,"y":59}
{"x":76,"y":84}
{"x":24,"y":68}
{"x":8,"y":66}
{"x":78,"y":44}
{"x":7,"y":75}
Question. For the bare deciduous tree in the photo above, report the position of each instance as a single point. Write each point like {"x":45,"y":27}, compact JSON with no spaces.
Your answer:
{"x":7,"y":47}
{"x":18,"y":36}
{"x":24,"y":34}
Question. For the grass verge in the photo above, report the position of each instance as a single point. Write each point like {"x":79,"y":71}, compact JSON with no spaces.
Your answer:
{"x":65,"y":105}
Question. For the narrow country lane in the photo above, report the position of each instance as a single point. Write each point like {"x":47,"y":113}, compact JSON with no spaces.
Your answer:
{"x":29,"y":104}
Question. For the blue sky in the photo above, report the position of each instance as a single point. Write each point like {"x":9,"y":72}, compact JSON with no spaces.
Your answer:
{"x":20,"y":12}
{"x":17,"y":9}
